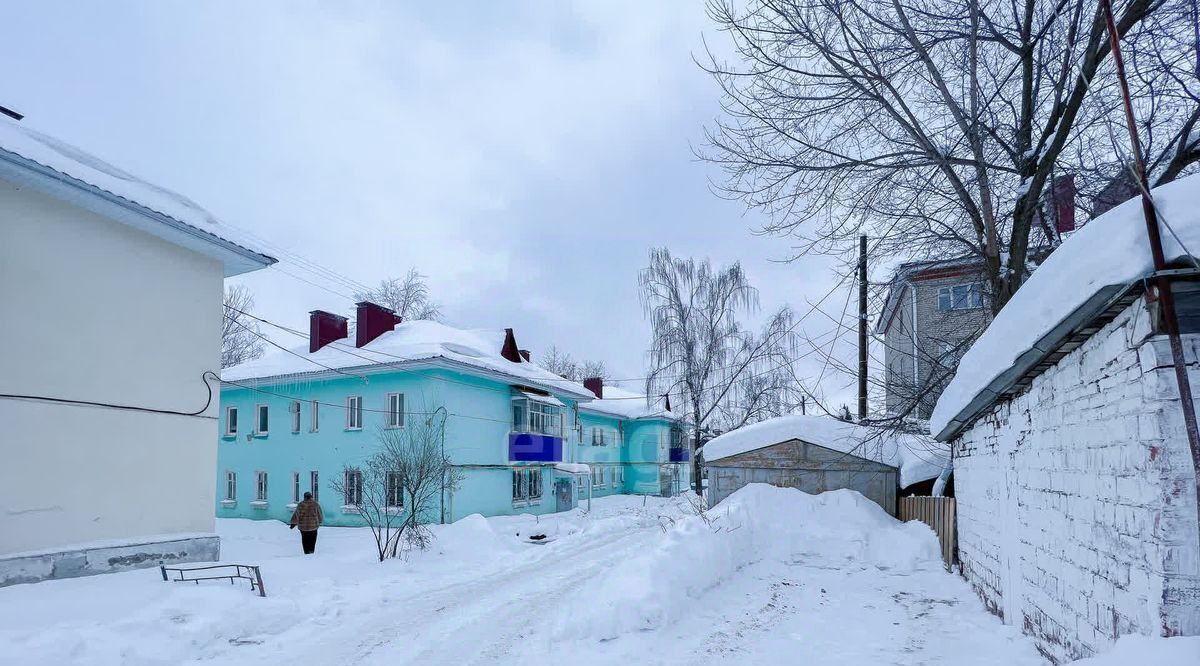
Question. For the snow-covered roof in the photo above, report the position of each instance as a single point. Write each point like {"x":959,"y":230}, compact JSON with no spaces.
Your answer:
{"x":628,"y":405}
{"x":573,"y":468}
{"x":410,"y":342}
{"x":1110,"y":251}
{"x":64,"y":171}
{"x":918,"y":458}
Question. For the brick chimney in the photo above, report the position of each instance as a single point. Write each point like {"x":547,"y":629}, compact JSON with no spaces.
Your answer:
{"x":372,"y":321}
{"x":323,"y":328}
{"x":509,"y":350}
{"x":525,"y":354}
{"x":595,"y":385}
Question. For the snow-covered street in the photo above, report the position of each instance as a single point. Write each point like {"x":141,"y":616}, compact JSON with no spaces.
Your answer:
{"x":639,"y":579}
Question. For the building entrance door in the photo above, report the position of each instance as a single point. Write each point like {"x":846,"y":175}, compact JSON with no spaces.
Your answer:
{"x":563,"y":495}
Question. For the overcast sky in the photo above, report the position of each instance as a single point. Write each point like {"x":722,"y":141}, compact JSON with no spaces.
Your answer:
{"x":524,"y":156}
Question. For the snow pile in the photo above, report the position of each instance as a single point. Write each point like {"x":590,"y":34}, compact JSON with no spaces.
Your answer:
{"x":628,"y":404}
{"x":79,"y":165}
{"x":837,"y":528}
{"x":918,"y":458}
{"x":1110,"y":250}
{"x":1146,"y":651}
{"x":410,"y":341}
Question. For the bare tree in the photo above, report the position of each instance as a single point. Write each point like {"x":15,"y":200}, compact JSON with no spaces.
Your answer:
{"x":407,"y":296}
{"x":940,"y":127}
{"x":240,"y":338}
{"x":564,"y":365}
{"x":726,"y":376}
{"x":400,"y":488}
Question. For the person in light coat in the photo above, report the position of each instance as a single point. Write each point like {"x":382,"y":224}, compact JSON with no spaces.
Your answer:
{"x":308,"y":517}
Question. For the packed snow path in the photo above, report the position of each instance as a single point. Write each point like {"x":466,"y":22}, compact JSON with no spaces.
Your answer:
{"x":648,"y":583}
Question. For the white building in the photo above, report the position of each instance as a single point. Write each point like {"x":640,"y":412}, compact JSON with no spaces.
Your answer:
{"x":111,"y":293}
{"x":1076,"y":487}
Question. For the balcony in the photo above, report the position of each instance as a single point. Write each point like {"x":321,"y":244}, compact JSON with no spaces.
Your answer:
{"x":534,"y":447}
{"x":677,"y":454}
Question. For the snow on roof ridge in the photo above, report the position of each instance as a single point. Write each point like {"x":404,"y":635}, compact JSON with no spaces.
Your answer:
{"x":77,"y":164}
{"x":410,"y":341}
{"x":1110,"y":250}
{"x":625,"y":403}
{"x":918,"y":457}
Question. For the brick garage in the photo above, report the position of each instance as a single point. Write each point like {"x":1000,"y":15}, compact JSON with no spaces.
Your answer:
{"x":1076,"y":490}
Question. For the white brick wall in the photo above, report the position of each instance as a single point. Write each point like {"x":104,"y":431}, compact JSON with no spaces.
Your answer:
{"x":1076,"y":499}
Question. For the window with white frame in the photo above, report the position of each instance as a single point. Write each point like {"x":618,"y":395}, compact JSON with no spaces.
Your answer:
{"x":960,"y":297}
{"x":230,"y":486}
{"x":395,"y":410}
{"x":294,"y":408}
{"x":526,"y":485}
{"x":597,"y":436}
{"x":313,"y":486}
{"x":231,"y":418}
{"x":314,"y":421}
{"x":535,"y":416}
{"x":676,"y":438}
{"x":598,"y":476}
{"x":618,"y":475}
{"x":260,"y":486}
{"x":354,"y":412}
{"x":353,"y":488}
{"x":295,"y":487}
{"x":262,"y":420}
{"x":394,"y":490}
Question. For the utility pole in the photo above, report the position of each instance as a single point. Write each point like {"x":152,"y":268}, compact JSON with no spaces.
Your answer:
{"x":1161,"y":283}
{"x":862,"y":327}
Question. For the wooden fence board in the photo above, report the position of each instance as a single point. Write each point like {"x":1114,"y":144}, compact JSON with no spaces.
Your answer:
{"x":938,"y":513}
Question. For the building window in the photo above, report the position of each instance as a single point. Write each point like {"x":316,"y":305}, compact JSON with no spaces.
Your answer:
{"x":960,"y":297}
{"x":618,"y":475}
{"x":353,"y":494}
{"x":354,"y":412}
{"x":395,"y":490}
{"x":395,"y":410}
{"x":597,"y":436}
{"x":295,"y":487}
{"x":230,"y":486}
{"x":526,"y":485}
{"x":294,"y":408}
{"x":313,"y":486}
{"x":231,"y":421}
{"x":315,"y":422}
{"x":676,"y":438}
{"x":262,"y":424}
{"x":598,"y":476}
{"x":260,"y":486}
{"x":538,"y":417}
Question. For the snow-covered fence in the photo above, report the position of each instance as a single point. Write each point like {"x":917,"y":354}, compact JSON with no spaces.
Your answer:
{"x":936,"y":512}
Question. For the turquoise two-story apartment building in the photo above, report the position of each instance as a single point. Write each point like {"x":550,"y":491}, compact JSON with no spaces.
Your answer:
{"x":523,"y":439}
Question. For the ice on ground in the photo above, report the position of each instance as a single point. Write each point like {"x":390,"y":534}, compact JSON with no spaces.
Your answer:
{"x":1112,"y":249}
{"x":918,"y":458}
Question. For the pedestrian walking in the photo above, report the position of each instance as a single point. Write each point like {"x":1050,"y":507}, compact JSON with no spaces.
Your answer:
{"x":308,"y":517}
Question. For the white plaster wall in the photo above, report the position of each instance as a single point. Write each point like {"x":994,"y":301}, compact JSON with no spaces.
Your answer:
{"x":93,"y":310}
{"x":1076,"y":500}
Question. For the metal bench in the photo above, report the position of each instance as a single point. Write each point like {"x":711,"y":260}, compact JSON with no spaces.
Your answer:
{"x":230,"y":572}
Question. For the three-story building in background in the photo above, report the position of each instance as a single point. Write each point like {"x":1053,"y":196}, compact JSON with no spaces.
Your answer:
{"x":522,"y":439}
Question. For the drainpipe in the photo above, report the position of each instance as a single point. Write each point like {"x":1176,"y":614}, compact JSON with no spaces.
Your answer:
{"x":912,"y":288}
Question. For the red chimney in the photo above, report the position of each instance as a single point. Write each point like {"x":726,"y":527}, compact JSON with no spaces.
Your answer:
{"x":1063,"y":197}
{"x":509,"y":350}
{"x":323,"y":328}
{"x":595,"y":385}
{"x":372,"y":321}
{"x":524,"y":354}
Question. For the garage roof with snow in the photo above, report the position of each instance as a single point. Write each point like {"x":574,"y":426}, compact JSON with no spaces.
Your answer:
{"x":918,"y":458}
{"x":1083,"y":279}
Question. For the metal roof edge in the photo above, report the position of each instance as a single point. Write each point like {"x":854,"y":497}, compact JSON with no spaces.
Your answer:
{"x":1100,"y":302}
{"x":235,"y":258}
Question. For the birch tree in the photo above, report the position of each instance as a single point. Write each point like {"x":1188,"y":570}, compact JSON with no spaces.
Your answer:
{"x":565,"y":365}
{"x":240,"y":340}
{"x":939,"y":127}
{"x":408,"y":297}
{"x":701,"y":351}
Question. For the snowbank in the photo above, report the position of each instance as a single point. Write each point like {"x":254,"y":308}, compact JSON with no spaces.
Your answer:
{"x":1110,"y":250}
{"x":917,"y":457}
{"x":1146,"y":651}
{"x":837,"y":528}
